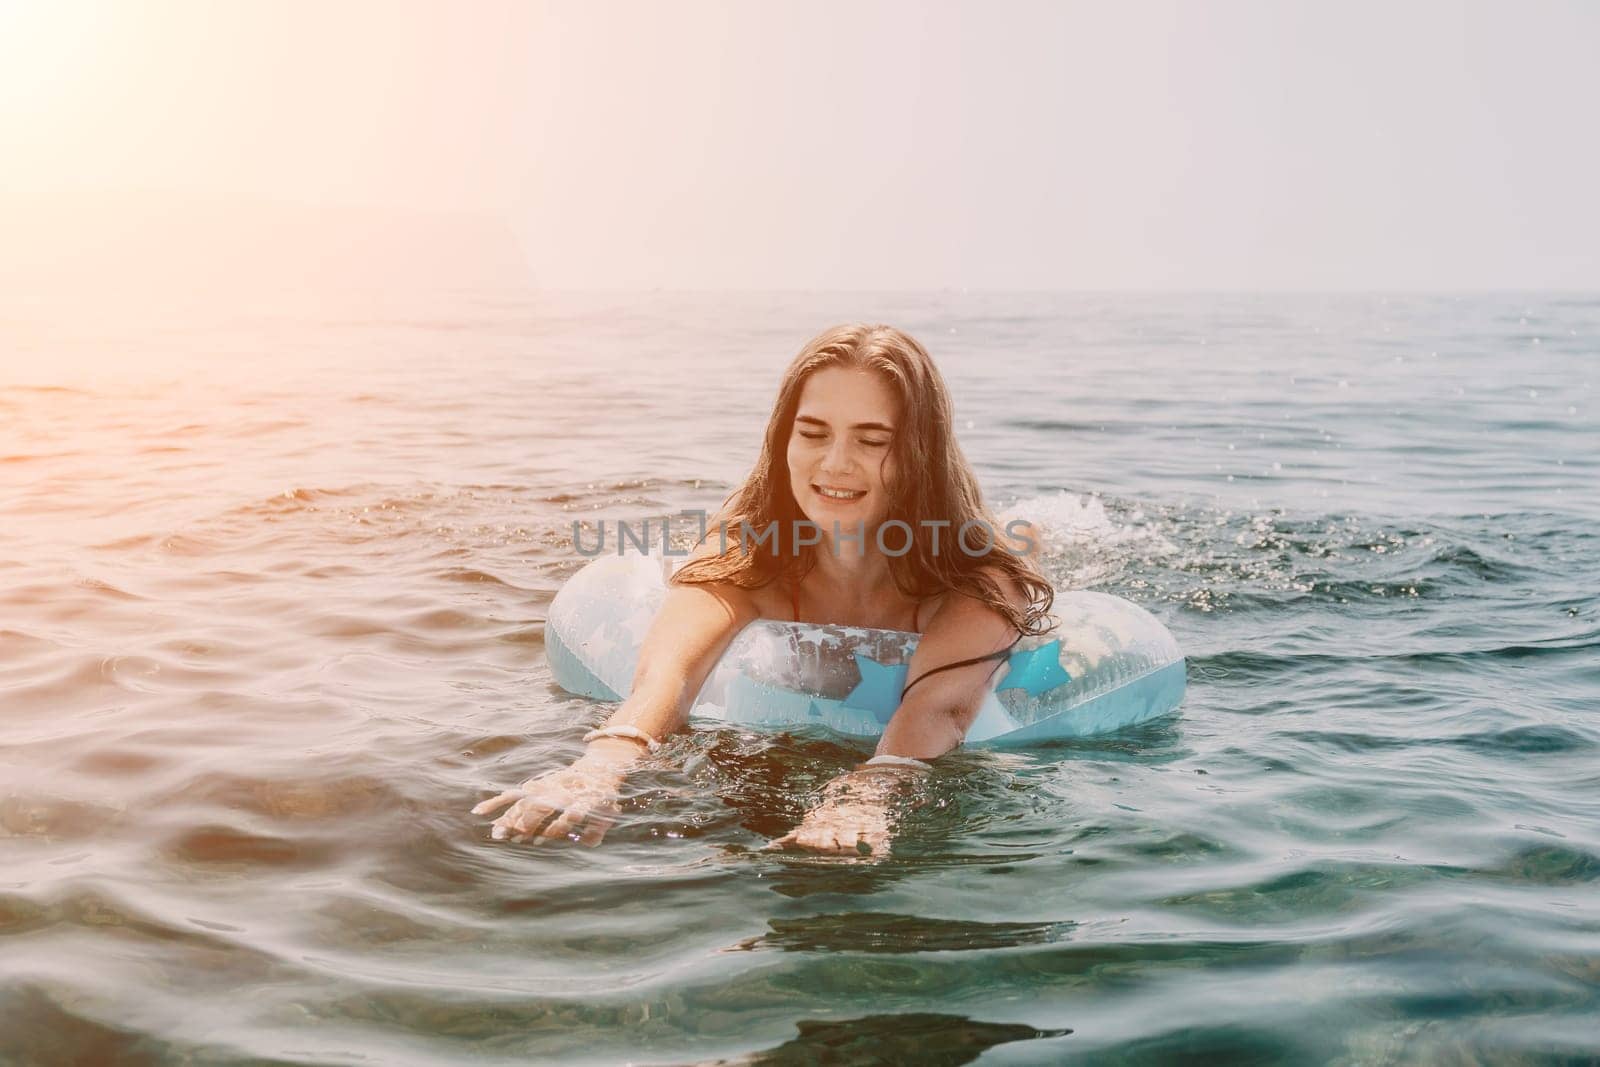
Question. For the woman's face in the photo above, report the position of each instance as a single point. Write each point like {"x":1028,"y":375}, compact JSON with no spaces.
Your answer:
{"x":840,"y":463}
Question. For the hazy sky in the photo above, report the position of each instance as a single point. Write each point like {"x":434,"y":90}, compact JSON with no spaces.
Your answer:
{"x":1195,"y":145}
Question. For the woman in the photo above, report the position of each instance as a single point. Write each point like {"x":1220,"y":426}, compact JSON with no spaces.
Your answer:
{"x":874,"y":519}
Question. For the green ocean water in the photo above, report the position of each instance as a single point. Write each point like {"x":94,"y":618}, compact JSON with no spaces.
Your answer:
{"x":272,"y":595}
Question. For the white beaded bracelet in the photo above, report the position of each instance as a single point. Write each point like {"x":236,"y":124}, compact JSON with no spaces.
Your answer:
{"x":632,"y":733}
{"x":897,"y":761}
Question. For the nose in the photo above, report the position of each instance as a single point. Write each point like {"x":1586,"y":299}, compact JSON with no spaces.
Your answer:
{"x":836,"y":460}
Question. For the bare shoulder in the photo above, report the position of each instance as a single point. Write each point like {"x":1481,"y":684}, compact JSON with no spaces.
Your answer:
{"x":739,"y":605}
{"x":693,"y":627}
{"x":956,"y":609}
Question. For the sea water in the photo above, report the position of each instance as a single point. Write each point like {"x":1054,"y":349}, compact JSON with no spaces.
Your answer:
{"x":272,"y":591}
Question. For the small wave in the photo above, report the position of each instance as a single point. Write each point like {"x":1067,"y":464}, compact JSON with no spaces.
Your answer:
{"x":1526,"y":739}
{"x":473,"y":575}
{"x":113,"y":762}
{"x":1547,"y":865}
{"x":101,"y":587}
{"x":443,"y":619}
{"x":1083,"y":544}
{"x":189,"y":544}
{"x":23,"y":648}
{"x":46,"y":390}
{"x":58,"y":817}
{"x":220,"y":844}
{"x":1477,"y":563}
{"x":595,"y":498}
{"x":1522,"y":740}
{"x":266,"y":427}
{"x":531,"y":636}
{"x":906,"y":1037}
{"x":1254,"y":662}
{"x":77,"y":679}
{"x":1054,"y":425}
{"x":129,"y":544}
{"x":1222,"y":560}
{"x":890,"y":933}
{"x":297,"y":499}
{"x":285,"y":798}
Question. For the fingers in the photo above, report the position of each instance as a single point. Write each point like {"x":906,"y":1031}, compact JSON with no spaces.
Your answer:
{"x":826,"y":839}
{"x":525,"y":817}
{"x":484,"y":807}
{"x":580,"y":823}
{"x":595,"y":832}
{"x":534,"y":822}
{"x":576,"y":802}
{"x":563,"y":824}
{"x":780,"y":842}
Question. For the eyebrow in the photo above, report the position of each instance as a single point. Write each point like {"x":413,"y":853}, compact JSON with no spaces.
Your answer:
{"x":812,"y":419}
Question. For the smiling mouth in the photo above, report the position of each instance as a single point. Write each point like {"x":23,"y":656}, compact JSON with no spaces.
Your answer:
{"x":839,"y":494}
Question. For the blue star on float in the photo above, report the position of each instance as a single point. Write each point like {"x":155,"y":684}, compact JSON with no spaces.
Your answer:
{"x":879,"y":689}
{"x":1035,"y":669}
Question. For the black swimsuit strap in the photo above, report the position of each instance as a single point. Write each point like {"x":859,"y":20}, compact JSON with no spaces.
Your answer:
{"x":1002,"y":654}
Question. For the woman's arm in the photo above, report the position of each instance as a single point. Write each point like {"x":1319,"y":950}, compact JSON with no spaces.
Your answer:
{"x":935,"y":715}
{"x":690,"y":632}
{"x":856,"y":812}
{"x":693,"y":628}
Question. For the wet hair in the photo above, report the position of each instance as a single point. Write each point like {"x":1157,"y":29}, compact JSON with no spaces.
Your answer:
{"x":943,"y":488}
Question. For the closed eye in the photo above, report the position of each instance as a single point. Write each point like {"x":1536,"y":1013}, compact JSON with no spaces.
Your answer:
{"x":813,"y":436}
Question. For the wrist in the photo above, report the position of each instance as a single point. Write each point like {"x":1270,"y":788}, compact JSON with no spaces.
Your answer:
{"x":611,"y":754}
{"x":873,"y":784}
{"x":906,"y":763}
{"x":624,"y":731}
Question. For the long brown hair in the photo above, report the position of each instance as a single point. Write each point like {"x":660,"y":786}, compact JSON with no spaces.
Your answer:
{"x":943,"y":487}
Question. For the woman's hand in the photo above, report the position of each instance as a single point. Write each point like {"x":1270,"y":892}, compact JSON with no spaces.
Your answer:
{"x":577,"y":802}
{"x":855,"y":817}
